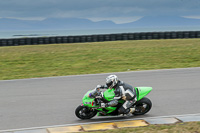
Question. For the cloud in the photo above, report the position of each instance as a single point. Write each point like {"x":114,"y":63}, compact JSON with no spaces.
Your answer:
{"x":117,"y":20}
{"x":192,"y":17}
{"x":115,"y":10}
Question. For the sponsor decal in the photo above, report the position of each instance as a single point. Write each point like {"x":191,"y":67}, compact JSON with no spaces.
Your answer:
{"x":87,"y":102}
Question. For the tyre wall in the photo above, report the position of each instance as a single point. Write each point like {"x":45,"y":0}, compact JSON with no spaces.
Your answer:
{"x":100,"y":38}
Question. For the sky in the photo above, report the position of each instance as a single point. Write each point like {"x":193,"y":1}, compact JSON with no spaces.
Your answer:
{"x":118,"y":11}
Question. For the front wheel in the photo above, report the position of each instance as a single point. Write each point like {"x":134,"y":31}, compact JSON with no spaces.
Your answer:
{"x":83,"y":112}
{"x":143,"y":106}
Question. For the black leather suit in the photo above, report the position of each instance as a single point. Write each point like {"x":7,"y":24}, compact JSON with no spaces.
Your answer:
{"x":124,"y":89}
{"x":121,"y":89}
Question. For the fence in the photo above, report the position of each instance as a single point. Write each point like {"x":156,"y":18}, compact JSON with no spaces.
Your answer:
{"x":100,"y":38}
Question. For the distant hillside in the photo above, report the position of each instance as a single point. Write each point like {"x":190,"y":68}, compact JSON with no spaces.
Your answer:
{"x":53,"y":24}
{"x":165,"y":21}
{"x":77,"y":23}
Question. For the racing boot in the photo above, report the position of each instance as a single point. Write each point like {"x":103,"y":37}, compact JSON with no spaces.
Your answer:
{"x":129,"y":112}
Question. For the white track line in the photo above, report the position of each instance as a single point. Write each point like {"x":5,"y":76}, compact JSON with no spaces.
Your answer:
{"x":85,"y":75}
{"x":53,"y":126}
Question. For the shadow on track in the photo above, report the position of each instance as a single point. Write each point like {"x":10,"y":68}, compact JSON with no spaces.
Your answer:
{"x":111,"y":118}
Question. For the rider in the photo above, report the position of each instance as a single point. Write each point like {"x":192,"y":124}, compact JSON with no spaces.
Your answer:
{"x":122,"y":91}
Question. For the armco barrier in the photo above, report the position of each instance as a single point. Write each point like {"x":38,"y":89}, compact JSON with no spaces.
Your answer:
{"x":100,"y":38}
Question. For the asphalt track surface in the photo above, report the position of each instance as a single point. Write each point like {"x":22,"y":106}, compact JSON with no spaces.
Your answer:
{"x":52,"y":101}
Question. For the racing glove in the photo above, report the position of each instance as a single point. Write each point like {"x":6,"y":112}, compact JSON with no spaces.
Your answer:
{"x":102,"y":86}
{"x":104,"y":105}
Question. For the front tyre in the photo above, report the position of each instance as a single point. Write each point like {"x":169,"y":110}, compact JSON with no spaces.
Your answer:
{"x":83,"y":112}
{"x":143,"y":106}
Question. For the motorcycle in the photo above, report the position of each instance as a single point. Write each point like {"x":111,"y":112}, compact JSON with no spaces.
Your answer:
{"x":91,"y":106}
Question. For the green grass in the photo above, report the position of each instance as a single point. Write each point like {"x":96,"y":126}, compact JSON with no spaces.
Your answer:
{"x":188,"y":127}
{"x":17,"y":62}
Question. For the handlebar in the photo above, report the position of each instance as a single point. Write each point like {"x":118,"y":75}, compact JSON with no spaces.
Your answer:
{"x":98,"y":97}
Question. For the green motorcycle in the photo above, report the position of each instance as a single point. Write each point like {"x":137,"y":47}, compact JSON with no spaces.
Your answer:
{"x":91,"y":106}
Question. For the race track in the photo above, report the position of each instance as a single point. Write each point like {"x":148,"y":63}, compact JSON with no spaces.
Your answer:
{"x":51,"y":101}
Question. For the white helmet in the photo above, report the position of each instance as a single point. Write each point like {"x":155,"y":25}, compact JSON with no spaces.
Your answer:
{"x":111,"y":81}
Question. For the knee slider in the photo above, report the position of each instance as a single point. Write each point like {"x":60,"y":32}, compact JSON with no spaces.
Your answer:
{"x":113,"y":103}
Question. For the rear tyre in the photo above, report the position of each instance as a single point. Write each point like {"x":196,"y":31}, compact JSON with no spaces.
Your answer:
{"x":143,"y":106}
{"x":83,"y":112}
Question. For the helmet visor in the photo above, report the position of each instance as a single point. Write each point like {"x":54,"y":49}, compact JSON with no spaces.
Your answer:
{"x":109,"y":84}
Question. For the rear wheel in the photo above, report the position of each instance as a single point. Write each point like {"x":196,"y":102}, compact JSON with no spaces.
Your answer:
{"x":83,"y":112}
{"x":142,"y":107}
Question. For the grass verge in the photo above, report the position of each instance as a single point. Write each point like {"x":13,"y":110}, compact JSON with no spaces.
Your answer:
{"x":188,"y":127}
{"x":98,"y":57}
